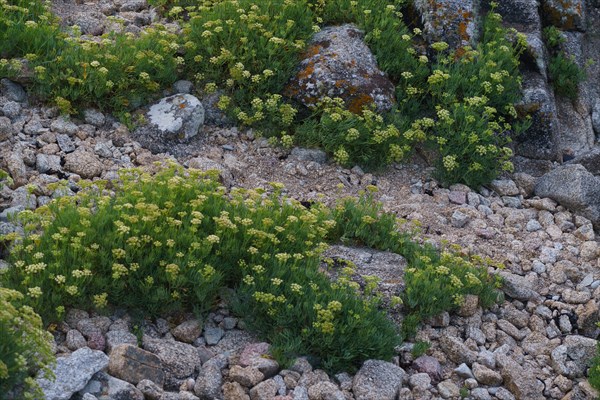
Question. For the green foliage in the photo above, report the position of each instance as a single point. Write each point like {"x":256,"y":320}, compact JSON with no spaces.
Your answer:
{"x":594,"y":371}
{"x":4,"y":177}
{"x":25,"y":347}
{"x":565,"y":74}
{"x":420,"y":348}
{"x":168,"y":242}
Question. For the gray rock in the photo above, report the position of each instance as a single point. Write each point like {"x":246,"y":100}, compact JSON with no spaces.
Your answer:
{"x":11,"y":109}
{"x":429,"y":365}
{"x":254,"y":354}
{"x":72,"y":373}
{"x":75,"y":340}
{"x":565,"y":15}
{"x":464,"y":371}
{"x":248,"y":376}
{"x":234,"y":391}
{"x":325,"y":391}
{"x":150,"y":389}
{"x":377,"y":380}
{"x":104,"y":386}
{"x":179,"y":360}
{"x":595,"y":117}
{"x":573,"y":187}
{"x":183,"y":86}
{"x":134,"y":5}
{"x":459,"y":219}
{"x":574,"y":356}
{"x":115,"y":338}
{"x":65,"y":143}
{"x":84,"y":164}
{"x":307,"y":155}
{"x":16,"y":168}
{"x":173,"y":118}
{"x":517,"y":287}
{"x":486,"y":376}
{"x":12,"y":91}
{"x":339,"y":54}
{"x":47,"y":164}
{"x":448,"y":390}
{"x":63,"y":125}
{"x":212,"y":335}
{"x":209,"y":381}
{"x":533,"y":225}
{"x":480,"y":394}
{"x":6,"y":129}
{"x":94,"y":117}
{"x":420,"y":381}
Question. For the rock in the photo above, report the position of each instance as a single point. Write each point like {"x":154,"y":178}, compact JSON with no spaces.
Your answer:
{"x":134,"y":5}
{"x":459,"y":219}
{"x":64,"y":126}
{"x":16,"y":168}
{"x":208,"y":383}
{"x":486,"y":376}
{"x":566,"y":15}
{"x":420,"y":381}
{"x":11,"y":109}
{"x":456,"y":350}
{"x":84,"y":164}
{"x":75,"y":340}
{"x":456,"y":197}
{"x":72,"y":373}
{"x":183,"y":86}
{"x":213,"y":334}
{"x":264,"y":391}
{"x":94,"y":117}
{"x":464,"y":371}
{"x":103,"y":386}
{"x":133,"y":365}
{"x":377,"y":380}
{"x":47,"y":164}
{"x":505,"y":187}
{"x":595,"y":118}
{"x":75,"y":315}
{"x":533,"y":225}
{"x":517,"y":287}
{"x":521,"y":382}
{"x":338,"y":63}
{"x":12,"y":91}
{"x":150,"y":389}
{"x":90,"y":22}
{"x":257,"y":355}
{"x":234,"y":391}
{"x":573,"y":187}
{"x":469,"y":306}
{"x":429,"y":365}
{"x":173,"y":118}
{"x":448,"y":390}
{"x":6,"y":129}
{"x":308,"y":155}
{"x":325,"y":391}
{"x":248,"y":376}
{"x":188,"y":331}
{"x":480,"y":394}
{"x":179,"y":360}
{"x":65,"y":143}
{"x":452,"y":21}
{"x":115,"y":338}
{"x":587,"y":318}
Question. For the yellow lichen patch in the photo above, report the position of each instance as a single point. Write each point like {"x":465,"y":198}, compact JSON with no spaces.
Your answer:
{"x":357,"y":104}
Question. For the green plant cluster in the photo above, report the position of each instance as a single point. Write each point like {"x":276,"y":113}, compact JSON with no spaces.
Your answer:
{"x":4,"y":178}
{"x":565,"y":75}
{"x":25,"y":347}
{"x":458,"y":103}
{"x":170,"y":242}
{"x":594,"y":371}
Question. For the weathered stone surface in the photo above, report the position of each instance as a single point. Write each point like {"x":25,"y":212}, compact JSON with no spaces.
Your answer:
{"x":12,"y":90}
{"x":234,"y":391}
{"x":257,"y":355}
{"x":176,"y":117}
{"x":339,"y":64}
{"x":6,"y":129}
{"x":456,"y":350}
{"x":47,"y":164}
{"x":72,"y":373}
{"x":567,"y":15}
{"x":248,"y":376}
{"x":264,"y":391}
{"x":209,"y":381}
{"x":133,"y":364}
{"x":325,"y":391}
{"x":83,"y":163}
{"x":486,"y":375}
{"x":117,"y":337}
{"x":179,"y":360}
{"x":573,"y":187}
{"x":521,"y":382}
{"x":377,"y":380}
{"x":429,"y":365}
{"x":102,"y":385}
{"x":188,"y":331}
{"x":452,"y":21}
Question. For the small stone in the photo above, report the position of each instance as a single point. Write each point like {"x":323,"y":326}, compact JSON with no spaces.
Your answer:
{"x":533,"y":226}
{"x":75,"y":340}
{"x":429,"y":365}
{"x":188,"y":331}
{"x":464,"y":371}
{"x":575,"y":297}
{"x":47,"y":164}
{"x":377,"y":380}
{"x":246,"y":376}
{"x":229,"y":323}
{"x":63,"y":125}
{"x":325,"y":390}
{"x":118,"y":337}
{"x":12,"y":90}
{"x":589,"y":250}
{"x":150,"y":389}
{"x":234,"y":391}
{"x":420,"y":381}
{"x":470,"y":306}
{"x":208,"y":383}
{"x":457,"y":197}
{"x":480,"y":394}
{"x":486,"y":376}
{"x":456,"y":350}
{"x":505,"y":187}
{"x":264,"y":391}
{"x":212,"y":335}
{"x":448,"y":389}
{"x":459,"y":219}
{"x":84,"y":164}
{"x":183,"y":86}
{"x":94,"y":117}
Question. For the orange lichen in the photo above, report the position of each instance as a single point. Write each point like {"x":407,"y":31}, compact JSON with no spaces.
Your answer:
{"x":357,"y":103}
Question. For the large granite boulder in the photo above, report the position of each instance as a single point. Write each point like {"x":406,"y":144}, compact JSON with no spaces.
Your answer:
{"x":339,"y":64}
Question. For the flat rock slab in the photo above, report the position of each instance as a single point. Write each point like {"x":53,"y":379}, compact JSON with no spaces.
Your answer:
{"x":73,"y":373}
{"x":133,"y":364}
{"x":176,"y":117}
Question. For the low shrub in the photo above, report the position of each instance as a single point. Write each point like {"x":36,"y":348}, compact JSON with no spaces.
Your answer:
{"x":565,"y":75}
{"x":594,"y":371}
{"x":168,"y":242}
{"x":25,"y":348}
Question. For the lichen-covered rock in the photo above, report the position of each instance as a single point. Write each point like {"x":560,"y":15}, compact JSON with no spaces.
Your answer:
{"x":83,"y":163}
{"x":377,"y":380}
{"x":176,"y":117}
{"x":133,"y":365}
{"x":452,"y":21}
{"x":179,"y":360}
{"x":565,"y":14}
{"x":339,"y":64}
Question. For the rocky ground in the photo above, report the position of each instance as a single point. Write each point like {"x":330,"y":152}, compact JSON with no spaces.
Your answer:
{"x":531,"y":346}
